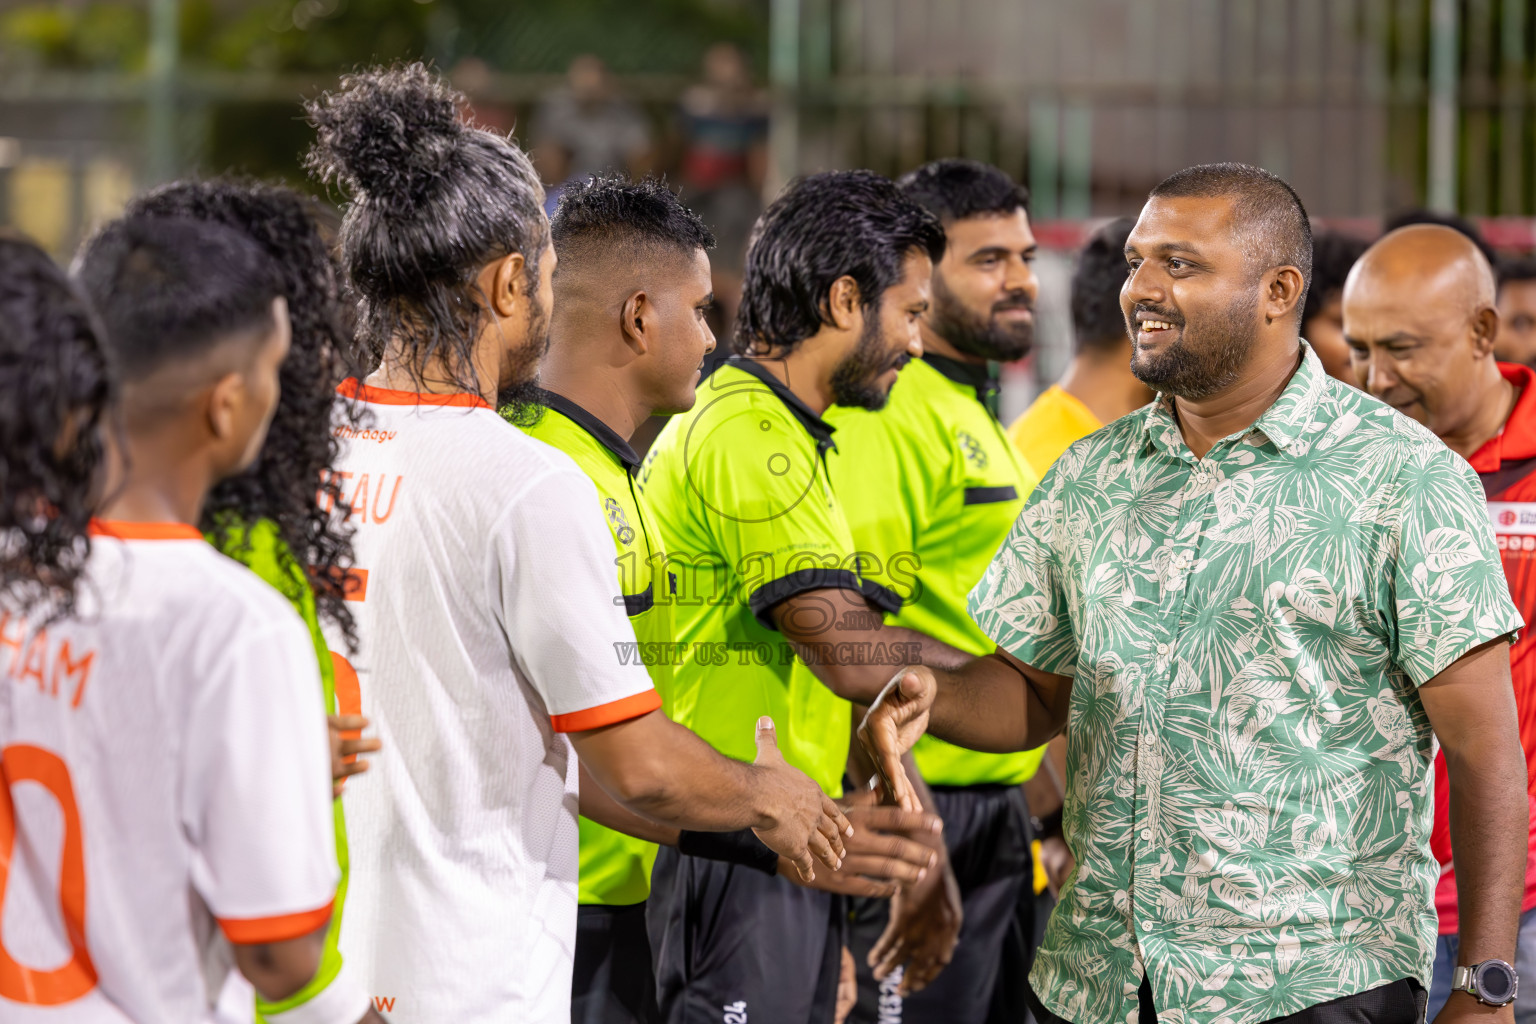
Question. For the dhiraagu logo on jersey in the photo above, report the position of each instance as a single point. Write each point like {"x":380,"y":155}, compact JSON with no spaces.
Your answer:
{"x":974,"y":453}
{"x":619,"y":521}
{"x":1514,"y":524}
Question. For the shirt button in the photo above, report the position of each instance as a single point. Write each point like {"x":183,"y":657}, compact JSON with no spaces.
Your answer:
{"x":1146,"y":834}
{"x":1162,"y":650}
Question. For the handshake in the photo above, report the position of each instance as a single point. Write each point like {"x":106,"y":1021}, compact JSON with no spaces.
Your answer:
{"x":893,"y":851}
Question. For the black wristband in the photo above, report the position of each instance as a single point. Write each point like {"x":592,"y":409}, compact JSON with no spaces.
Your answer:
{"x":730,"y":847}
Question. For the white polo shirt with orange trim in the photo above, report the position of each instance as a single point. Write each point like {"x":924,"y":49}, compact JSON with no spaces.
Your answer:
{"x":166,"y":778}
{"x":488,"y":610}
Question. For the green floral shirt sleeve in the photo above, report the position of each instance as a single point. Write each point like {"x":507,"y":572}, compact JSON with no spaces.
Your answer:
{"x":1444,"y":566}
{"x":1020,"y":601}
{"x":1249,"y":765}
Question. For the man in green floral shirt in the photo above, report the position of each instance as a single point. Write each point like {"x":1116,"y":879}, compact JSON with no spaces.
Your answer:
{"x":1249,"y":605}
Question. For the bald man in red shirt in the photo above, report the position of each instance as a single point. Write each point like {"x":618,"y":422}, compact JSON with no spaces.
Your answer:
{"x":1421,"y":320}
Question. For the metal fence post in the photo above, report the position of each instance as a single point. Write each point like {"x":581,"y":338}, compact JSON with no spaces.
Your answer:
{"x":1443,"y":70}
{"x":164,"y":45}
{"x":784,"y":74}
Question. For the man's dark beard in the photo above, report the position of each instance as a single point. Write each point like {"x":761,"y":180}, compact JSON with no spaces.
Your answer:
{"x":854,"y":379}
{"x":522,"y":396}
{"x":1203,"y":361}
{"x":976,"y":335}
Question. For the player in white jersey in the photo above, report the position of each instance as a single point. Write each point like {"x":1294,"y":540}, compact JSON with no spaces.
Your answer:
{"x":166,"y":799}
{"x":488,"y":608}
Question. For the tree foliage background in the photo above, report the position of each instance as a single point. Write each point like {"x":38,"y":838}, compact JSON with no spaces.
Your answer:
{"x":323,"y":38}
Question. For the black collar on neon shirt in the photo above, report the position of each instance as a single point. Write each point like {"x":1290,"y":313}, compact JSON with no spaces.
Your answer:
{"x":814,"y":425}
{"x":606,"y":435}
{"x":983,"y":377}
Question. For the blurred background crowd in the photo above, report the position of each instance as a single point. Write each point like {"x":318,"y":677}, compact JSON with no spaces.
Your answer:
{"x":1369,"y":107}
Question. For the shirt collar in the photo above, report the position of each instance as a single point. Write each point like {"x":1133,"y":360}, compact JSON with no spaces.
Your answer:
{"x":1282,"y":424}
{"x":605,"y":435}
{"x":985,"y":377}
{"x":142,"y":530}
{"x":353,"y":388}
{"x":817,"y":427}
{"x":1517,"y":440}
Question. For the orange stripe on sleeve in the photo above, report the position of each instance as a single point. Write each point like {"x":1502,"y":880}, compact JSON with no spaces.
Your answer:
{"x":252,"y":931}
{"x":612,"y":713}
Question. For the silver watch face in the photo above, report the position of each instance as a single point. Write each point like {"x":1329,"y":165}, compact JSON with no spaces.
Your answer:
{"x":1494,"y":982}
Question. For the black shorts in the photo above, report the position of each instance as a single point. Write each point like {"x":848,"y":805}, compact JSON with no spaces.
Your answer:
{"x":612,"y":980}
{"x":986,"y":830}
{"x":733,"y":945}
{"x":1401,"y":1002}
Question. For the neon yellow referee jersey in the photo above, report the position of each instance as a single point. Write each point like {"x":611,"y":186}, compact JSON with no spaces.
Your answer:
{"x":931,"y":486}
{"x":616,"y":868}
{"x":749,"y":517}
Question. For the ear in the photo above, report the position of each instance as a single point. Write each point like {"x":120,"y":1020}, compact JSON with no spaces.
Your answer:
{"x":1485,"y":330}
{"x":222,"y":403}
{"x":1282,"y":292}
{"x":843,"y":303}
{"x":636,"y":322}
{"x":509,"y":283}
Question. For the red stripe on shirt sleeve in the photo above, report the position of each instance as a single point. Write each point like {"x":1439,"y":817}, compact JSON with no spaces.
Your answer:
{"x":615,"y":711}
{"x":252,"y":931}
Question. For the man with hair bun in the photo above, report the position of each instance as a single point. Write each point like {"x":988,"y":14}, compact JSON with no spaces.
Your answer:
{"x":490,"y":619}
{"x":1253,"y":607}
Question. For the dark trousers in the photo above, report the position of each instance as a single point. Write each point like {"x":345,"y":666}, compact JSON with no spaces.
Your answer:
{"x":611,"y":979}
{"x":986,"y":831}
{"x":732,"y":944}
{"x":1401,"y":1002}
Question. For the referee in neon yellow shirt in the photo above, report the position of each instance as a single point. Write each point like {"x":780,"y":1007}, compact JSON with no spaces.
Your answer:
{"x":932,"y":485}
{"x":628,"y":335}
{"x":772,"y":584}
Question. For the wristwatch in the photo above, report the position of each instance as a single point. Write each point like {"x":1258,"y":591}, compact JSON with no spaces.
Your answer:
{"x":1492,"y":982}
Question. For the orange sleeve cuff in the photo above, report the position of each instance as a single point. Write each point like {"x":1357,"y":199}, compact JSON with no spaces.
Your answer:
{"x":621,"y":710}
{"x":253,"y":931}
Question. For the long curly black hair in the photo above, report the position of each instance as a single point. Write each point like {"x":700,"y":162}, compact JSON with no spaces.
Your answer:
{"x":291,"y":482}
{"x":56,"y":397}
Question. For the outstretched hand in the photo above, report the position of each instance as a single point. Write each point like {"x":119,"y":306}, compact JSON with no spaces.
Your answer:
{"x":893,"y":724}
{"x":890,"y":849}
{"x":922,"y":933}
{"x":807,"y":825}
